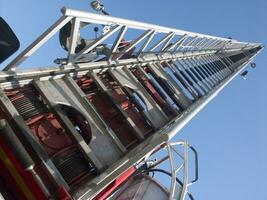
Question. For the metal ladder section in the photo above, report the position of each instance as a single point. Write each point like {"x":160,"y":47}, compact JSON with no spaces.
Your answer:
{"x":153,"y":84}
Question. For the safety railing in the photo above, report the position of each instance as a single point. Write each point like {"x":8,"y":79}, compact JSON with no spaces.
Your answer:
{"x":178,"y":159}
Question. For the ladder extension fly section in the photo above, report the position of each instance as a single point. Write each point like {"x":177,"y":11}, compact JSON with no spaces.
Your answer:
{"x":111,"y":101}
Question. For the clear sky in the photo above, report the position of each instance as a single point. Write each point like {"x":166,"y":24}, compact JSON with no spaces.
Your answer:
{"x":230,"y":134}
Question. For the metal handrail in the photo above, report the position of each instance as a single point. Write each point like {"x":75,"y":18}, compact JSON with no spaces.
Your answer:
{"x":174,"y":171}
{"x":196,"y":164}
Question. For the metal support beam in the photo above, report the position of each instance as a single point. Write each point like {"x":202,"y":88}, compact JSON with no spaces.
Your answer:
{"x":177,"y":43}
{"x":134,"y":43}
{"x":146,"y":43}
{"x":38,"y":43}
{"x":117,"y":41}
{"x":96,"y":42}
{"x":161,"y":41}
{"x":73,"y":38}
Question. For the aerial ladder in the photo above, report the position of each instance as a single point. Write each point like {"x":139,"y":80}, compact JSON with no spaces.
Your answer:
{"x":99,"y":124}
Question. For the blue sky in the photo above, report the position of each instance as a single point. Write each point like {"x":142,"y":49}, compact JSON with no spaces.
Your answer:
{"x":230,"y":134}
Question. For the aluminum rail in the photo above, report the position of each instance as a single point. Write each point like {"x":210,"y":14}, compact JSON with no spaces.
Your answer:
{"x":107,"y":20}
{"x":122,"y":25}
{"x":6,"y":76}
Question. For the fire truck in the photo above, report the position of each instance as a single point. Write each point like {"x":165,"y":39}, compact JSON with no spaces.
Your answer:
{"x":98,"y":125}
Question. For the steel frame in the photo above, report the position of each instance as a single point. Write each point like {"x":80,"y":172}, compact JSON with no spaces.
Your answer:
{"x":196,"y":58}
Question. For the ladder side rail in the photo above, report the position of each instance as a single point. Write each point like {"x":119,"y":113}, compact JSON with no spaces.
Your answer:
{"x":85,"y":17}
